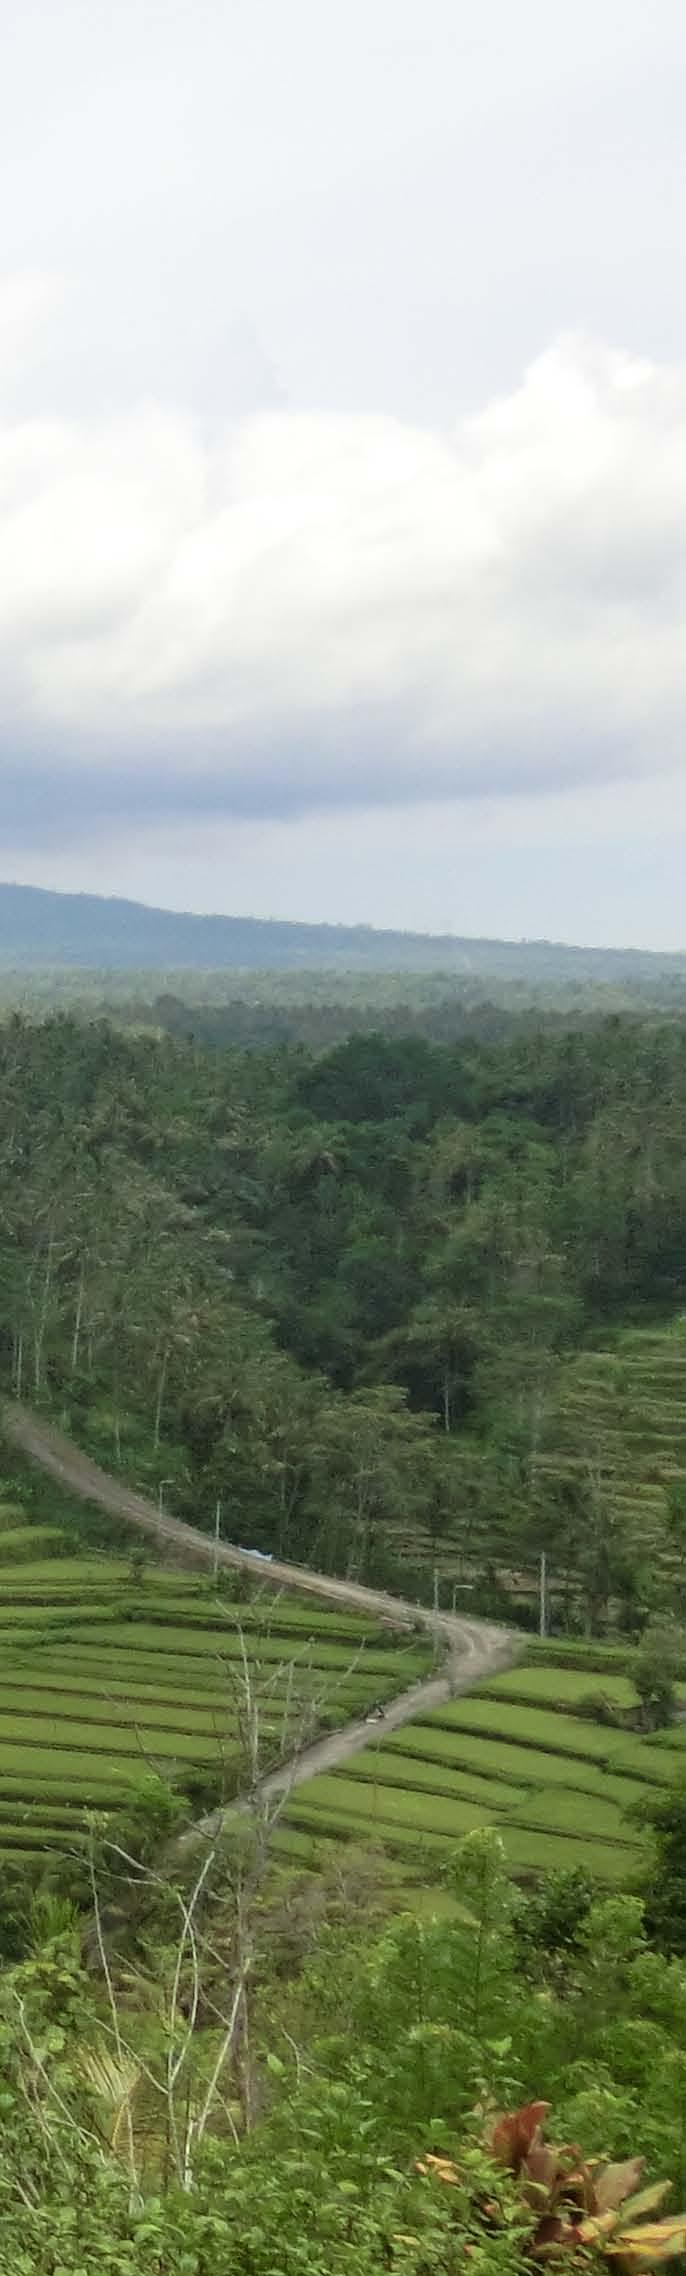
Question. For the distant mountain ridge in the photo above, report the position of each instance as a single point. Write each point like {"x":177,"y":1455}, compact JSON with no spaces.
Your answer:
{"x":39,"y":928}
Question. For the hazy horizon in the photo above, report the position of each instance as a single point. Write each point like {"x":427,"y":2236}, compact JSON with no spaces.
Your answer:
{"x":334,"y":923}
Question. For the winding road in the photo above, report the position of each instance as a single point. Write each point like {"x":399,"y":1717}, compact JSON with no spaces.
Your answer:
{"x":471,"y":1648}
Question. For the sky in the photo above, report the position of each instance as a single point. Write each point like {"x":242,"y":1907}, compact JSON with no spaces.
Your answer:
{"x":343,"y":460}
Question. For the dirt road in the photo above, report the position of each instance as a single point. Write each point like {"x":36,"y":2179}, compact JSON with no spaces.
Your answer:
{"x":471,"y":1648}
{"x":474,"y":1651}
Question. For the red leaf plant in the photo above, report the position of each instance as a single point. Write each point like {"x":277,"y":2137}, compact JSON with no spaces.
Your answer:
{"x":578,"y":2206}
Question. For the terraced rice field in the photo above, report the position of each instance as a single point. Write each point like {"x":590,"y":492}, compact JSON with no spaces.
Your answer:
{"x":621,"y":1413}
{"x":561,"y":1789}
{"x":618,"y":1414}
{"x":106,"y":1677}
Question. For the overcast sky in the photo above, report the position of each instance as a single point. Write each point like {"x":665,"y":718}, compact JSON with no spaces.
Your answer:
{"x":343,"y":459}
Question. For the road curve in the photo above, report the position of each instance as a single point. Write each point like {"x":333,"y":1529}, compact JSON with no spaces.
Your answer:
{"x":471,"y":1648}
{"x":474,"y":1650}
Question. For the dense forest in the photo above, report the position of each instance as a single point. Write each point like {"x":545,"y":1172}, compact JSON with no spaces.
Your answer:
{"x":337,"y":1292}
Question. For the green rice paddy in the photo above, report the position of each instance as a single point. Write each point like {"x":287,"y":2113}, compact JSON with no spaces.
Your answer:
{"x":617,"y":1413}
{"x":108,"y":1675}
{"x":561,"y":1789}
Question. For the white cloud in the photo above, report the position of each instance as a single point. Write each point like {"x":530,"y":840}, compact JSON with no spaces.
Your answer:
{"x":26,"y":303}
{"x":313,"y":610}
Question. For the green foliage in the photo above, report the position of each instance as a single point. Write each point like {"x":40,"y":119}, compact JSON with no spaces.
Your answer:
{"x":666,"y":1886}
{"x":369,"y":2052}
{"x":547,"y":1925}
{"x":655,"y":1671}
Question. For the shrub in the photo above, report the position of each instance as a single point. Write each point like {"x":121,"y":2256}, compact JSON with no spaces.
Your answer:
{"x":655,"y":1672}
{"x":571,"y":2207}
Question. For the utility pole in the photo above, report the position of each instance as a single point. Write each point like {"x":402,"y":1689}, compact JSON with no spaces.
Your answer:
{"x":160,"y":1504}
{"x":217,"y":1525}
{"x":543,"y":1609}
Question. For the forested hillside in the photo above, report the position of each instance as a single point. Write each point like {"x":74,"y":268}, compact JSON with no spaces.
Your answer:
{"x":39,"y":929}
{"x":342,"y":1294}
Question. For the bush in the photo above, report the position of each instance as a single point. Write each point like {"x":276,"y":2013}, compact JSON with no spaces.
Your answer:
{"x":548,"y":1923}
{"x":655,"y":1671}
